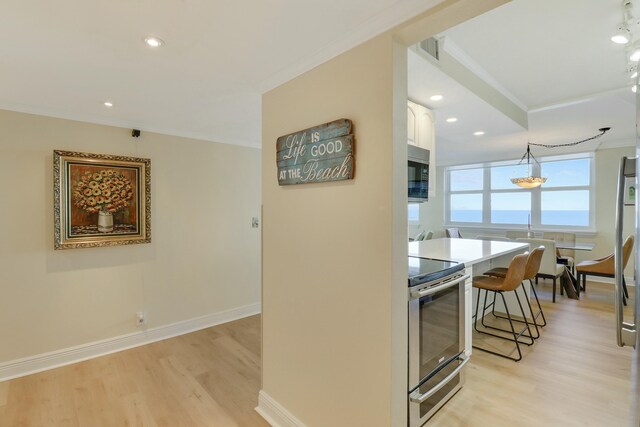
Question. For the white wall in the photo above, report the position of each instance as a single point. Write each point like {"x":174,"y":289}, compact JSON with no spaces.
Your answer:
{"x":204,"y":257}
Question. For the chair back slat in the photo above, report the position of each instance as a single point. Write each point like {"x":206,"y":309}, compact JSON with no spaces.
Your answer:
{"x":533,"y":263}
{"x":515,"y":272}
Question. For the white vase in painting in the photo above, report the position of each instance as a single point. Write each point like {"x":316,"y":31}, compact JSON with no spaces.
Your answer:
{"x":105,"y":222}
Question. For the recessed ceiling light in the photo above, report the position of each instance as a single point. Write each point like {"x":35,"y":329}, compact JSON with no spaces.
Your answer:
{"x":153,"y":41}
{"x":452,"y":120}
{"x":622,"y":36}
{"x":634,"y":88}
{"x":479,"y":133}
{"x":635,"y":55}
{"x":108,"y":104}
{"x":634,"y":75}
{"x":436,"y":97}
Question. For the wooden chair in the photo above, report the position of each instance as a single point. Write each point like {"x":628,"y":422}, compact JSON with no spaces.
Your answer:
{"x":605,"y":267}
{"x":453,"y":232}
{"x":530,"y":271}
{"x":549,"y":267}
{"x":565,"y":256}
{"x":498,"y":285}
{"x":420,"y":236}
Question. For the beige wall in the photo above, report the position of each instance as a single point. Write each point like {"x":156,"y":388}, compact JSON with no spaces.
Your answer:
{"x":335,"y":254}
{"x":327,"y":271}
{"x":606,"y":164}
{"x":204,"y":257}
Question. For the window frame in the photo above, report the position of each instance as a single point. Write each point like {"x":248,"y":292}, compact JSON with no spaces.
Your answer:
{"x":536,"y":196}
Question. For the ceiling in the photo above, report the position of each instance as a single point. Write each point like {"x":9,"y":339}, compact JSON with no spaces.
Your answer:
{"x":552,"y":59}
{"x":66,"y":58}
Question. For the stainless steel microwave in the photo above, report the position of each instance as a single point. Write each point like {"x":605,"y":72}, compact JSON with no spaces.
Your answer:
{"x":418,"y":174}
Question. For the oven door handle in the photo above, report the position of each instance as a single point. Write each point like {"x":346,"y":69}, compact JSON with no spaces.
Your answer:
{"x":416,"y":397}
{"x":433,"y":290}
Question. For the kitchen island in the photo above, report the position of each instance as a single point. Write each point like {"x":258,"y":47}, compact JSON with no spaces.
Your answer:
{"x":477,"y":256}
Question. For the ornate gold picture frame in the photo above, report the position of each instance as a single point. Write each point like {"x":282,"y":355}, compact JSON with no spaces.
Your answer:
{"x":100,"y":200}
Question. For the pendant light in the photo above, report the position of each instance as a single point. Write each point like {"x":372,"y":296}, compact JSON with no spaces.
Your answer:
{"x":530,"y":181}
{"x":536,"y":181}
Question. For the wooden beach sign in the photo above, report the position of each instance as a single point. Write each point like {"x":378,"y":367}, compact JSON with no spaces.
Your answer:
{"x":319,"y":154}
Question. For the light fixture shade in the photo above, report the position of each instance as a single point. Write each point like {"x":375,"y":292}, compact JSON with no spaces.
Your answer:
{"x":622,"y":36}
{"x":529,"y":181}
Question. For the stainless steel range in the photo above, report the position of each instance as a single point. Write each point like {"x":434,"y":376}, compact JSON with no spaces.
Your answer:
{"x":437,"y":322}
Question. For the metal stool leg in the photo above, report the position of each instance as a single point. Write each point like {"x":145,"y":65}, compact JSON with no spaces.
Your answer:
{"x":540,"y":312}
{"x":512,"y":331}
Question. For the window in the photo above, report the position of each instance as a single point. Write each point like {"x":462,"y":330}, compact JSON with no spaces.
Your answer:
{"x":566,"y":195}
{"x":483,"y":195}
{"x":414,"y":212}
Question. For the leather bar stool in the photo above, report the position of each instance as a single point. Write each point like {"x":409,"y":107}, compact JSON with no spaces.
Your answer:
{"x":497,"y":285}
{"x":605,"y":267}
{"x":530,"y":271}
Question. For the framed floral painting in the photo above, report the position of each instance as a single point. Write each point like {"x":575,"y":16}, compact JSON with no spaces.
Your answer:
{"x":100,"y":200}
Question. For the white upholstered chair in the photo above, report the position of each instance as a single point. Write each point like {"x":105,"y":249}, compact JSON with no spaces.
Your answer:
{"x":513,"y":234}
{"x":566,"y":256}
{"x":549,"y":267}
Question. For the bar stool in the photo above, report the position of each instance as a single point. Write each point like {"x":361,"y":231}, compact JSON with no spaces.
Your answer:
{"x":530,"y":271}
{"x":497,"y":285}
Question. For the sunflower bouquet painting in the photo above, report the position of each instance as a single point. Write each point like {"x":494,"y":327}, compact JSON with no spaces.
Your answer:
{"x":106,"y":191}
{"x":100,"y":199}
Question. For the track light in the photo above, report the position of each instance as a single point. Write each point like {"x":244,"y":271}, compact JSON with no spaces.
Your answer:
{"x":623,"y":35}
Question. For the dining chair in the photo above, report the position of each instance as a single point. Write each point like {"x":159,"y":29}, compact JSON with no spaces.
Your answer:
{"x":499,"y":286}
{"x":565,"y":256}
{"x":420,"y":236}
{"x":530,"y":271}
{"x":495,"y":238}
{"x":513,"y":234}
{"x":605,"y":267}
{"x":453,"y":232}
{"x":549,"y":267}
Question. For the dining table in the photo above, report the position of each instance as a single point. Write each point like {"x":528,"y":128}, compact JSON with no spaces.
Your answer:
{"x":575,"y":246}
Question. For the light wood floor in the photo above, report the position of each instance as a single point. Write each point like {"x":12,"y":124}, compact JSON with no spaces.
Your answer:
{"x":206,"y":378}
{"x":573,"y":376}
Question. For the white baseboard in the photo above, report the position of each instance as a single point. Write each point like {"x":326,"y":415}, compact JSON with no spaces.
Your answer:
{"x":274,"y":413}
{"x":55,"y":359}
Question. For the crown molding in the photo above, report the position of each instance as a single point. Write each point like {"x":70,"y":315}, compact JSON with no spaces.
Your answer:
{"x":385,"y":20}
{"x":97,"y":120}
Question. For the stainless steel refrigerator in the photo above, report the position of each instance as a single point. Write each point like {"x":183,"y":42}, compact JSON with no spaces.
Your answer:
{"x":627,"y":328}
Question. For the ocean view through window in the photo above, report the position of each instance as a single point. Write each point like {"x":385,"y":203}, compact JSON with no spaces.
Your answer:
{"x":483,"y":195}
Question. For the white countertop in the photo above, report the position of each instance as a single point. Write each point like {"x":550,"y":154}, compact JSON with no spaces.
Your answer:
{"x":467,"y":251}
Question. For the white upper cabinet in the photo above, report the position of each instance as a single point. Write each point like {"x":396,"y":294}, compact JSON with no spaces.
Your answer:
{"x":421,"y":131}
